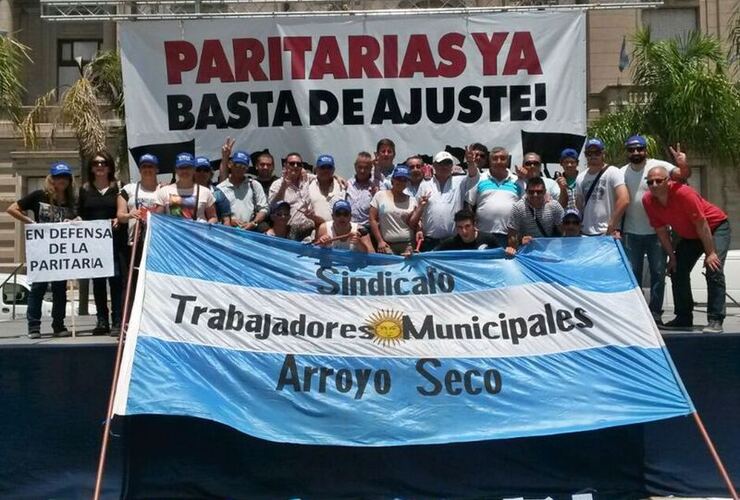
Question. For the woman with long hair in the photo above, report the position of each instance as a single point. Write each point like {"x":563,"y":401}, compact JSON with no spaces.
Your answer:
{"x":54,"y":203}
{"x":98,"y":199}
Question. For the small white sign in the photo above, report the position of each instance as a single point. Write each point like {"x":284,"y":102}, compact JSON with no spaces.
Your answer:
{"x":69,"y":250}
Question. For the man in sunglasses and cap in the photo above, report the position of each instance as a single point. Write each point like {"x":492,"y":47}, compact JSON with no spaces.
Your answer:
{"x":638,"y":236}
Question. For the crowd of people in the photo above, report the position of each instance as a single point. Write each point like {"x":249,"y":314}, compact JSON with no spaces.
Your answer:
{"x":481,"y":202}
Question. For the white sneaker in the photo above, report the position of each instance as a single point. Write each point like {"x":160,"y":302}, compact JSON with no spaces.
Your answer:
{"x":714,"y":326}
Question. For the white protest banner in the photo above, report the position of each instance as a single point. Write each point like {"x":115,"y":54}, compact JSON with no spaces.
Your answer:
{"x":337,"y":85}
{"x":69,"y":250}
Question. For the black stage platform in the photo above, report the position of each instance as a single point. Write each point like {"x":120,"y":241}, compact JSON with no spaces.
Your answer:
{"x":53,"y":398}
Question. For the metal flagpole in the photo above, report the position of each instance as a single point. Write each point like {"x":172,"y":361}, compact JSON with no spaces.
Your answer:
{"x":74,"y":316}
{"x":715,"y":456}
{"x":119,"y":352}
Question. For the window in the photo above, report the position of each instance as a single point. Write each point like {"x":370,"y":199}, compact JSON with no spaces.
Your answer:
{"x":15,"y":291}
{"x":669,"y":23}
{"x":68,"y":70}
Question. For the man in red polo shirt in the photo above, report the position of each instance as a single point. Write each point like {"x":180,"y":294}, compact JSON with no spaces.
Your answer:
{"x":703,"y":228}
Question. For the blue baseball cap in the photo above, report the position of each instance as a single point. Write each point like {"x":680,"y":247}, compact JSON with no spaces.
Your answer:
{"x":636,"y":141}
{"x":341,"y":205}
{"x":569,"y":153}
{"x":278,"y":205}
{"x":595,"y":142}
{"x":60,"y":168}
{"x":184,"y":160}
{"x":325,"y":161}
{"x":572,"y":213}
{"x":148,"y":159}
{"x":241,"y":158}
{"x":401,"y":172}
{"x":202,"y":162}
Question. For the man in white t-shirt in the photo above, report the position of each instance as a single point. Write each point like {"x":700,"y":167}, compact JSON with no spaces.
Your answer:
{"x":601,"y":195}
{"x":441,"y":197}
{"x":639,"y":237}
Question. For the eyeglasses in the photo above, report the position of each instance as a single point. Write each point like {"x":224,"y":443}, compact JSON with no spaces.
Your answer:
{"x":635,"y":150}
{"x":658,"y":182}
{"x":536,"y":192}
{"x":531,"y":163}
{"x":99,"y":162}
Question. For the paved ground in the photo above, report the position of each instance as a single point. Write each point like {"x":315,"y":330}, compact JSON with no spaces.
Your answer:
{"x":14,"y":332}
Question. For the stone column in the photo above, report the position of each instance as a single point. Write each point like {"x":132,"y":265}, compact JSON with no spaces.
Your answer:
{"x":6,"y":17}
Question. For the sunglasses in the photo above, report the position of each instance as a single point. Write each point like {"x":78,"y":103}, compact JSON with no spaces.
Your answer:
{"x":99,"y":162}
{"x":294,"y":163}
{"x":657,"y":182}
{"x":342,"y":214}
{"x":536,"y":192}
{"x":531,"y":163}
{"x":635,"y":150}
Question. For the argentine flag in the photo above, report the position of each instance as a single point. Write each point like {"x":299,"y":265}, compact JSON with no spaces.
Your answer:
{"x":298,"y":344}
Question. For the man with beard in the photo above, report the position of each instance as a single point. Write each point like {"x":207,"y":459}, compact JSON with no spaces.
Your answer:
{"x":638,"y":236}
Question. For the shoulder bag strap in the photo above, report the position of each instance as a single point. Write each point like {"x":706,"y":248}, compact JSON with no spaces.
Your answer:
{"x":593,"y":185}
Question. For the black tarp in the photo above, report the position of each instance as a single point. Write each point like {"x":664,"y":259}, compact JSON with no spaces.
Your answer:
{"x":53,"y":400}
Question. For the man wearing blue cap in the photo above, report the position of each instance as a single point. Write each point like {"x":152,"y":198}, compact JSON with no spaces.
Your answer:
{"x":567,"y":180}
{"x":325,"y":189}
{"x":204,"y":176}
{"x":600,"y":193}
{"x":246,"y":196}
{"x":341,"y":232}
{"x":639,"y":237}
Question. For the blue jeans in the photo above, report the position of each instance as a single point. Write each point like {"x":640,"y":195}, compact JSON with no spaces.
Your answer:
{"x":58,"y":308}
{"x":637,"y":246}
{"x":687,"y":253}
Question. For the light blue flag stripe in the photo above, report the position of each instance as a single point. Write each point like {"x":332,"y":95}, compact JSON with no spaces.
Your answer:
{"x":525,"y":396}
{"x":229,"y":255}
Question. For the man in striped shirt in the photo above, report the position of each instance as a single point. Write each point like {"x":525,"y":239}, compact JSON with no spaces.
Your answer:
{"x":495,"y":195}
{"x":533,"y":217}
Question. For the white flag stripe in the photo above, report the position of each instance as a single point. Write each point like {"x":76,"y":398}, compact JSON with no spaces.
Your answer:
{"x":514,"y":307}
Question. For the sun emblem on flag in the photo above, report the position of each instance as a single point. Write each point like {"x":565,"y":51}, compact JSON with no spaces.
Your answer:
{"x":387,"y":326}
